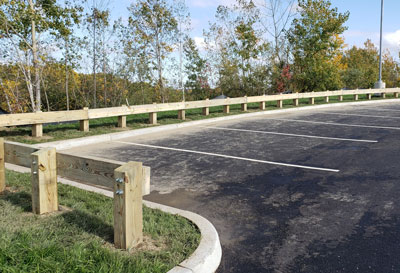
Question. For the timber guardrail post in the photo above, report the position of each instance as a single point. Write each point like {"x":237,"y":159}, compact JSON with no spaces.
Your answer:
{"x":227,"y":107}
{"x":206,"y":110}
{"x":369,"y":96}
{"x":122,"y":120}
{"x":128,"y":210}
{"x":356,"y":97}
{"x":181,"y":114}
{"x":295,"y":102}
{"x":383,"y":95}
{"x":311,"y":101}
{"x":244,"y":105}
{"x":153,"y":117}
{"x":327,"y":99}
{"x":2,"y":166}
{"x":84,"y":124}
{"x":279,"y":103}
{"x":44,"y":181}
{"x":37,"y":129}
{"x":340,"y":97}
{"x":262,"y":105}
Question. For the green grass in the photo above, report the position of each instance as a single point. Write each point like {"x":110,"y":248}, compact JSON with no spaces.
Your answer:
{"x":79,"y":237}
{"x":108,"y":125}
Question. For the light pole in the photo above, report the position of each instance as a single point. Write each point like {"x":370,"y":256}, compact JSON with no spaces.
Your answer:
{"x":380,"y":84}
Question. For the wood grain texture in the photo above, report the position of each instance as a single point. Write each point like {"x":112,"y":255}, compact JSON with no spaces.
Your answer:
{"x":84,"y":125}
{"x":88,"y":170}
{"x":94,"y":171}
{"x":37,"y":130}
{"x":2,"y":166}
{"x":128,"y":211}
{"x":153,"y":118}
{"x":18,"y":153}
{"x":122,"y":121}
{"x":87,"y":114}
{"x":41,"y":117}
{"x":44,"y":181}
{"x":181,"y":114}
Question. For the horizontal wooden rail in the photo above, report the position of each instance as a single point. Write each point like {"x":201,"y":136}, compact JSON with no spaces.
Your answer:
{"x":89,"y":170}
{"x":129,"y":182}
{"x":37,"y":119}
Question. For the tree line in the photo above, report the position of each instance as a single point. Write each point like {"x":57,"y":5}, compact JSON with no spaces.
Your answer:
{"x":67,"y":54}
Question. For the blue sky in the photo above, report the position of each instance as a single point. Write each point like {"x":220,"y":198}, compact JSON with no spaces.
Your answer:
{"x":362,"y":24}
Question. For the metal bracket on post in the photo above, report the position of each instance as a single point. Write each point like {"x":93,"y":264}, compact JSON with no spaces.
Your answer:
{"x":128,"y":211}
{"x":44,"y":181}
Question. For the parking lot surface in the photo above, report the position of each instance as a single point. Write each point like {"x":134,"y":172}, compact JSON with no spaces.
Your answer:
{"x":309,"y":191}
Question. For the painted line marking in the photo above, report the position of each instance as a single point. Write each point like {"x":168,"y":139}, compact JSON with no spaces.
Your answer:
{"x":287,"y":134}
{"x":337,"y":124}
{"x":357,"y":115}
{"x":229,"y":156}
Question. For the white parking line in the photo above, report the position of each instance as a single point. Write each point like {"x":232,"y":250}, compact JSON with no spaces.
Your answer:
{"x":336,"y":124}
{"x":356,"y":115}
{"x":293,"y":135}
{"x":229,"y":156}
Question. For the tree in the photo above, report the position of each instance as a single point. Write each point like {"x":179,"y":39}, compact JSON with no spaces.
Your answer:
{"x":315,"y":43}
{"x":97,"y":20}
{"x":237,"y":48}
{"x":155,"y":30}
{"x":275,"y":17}
{"x":183,"y":20}
{"x":23,"y":23}
{"x":390,"y":70}
{"x":196,"y":70}
{"x":361,"y":66}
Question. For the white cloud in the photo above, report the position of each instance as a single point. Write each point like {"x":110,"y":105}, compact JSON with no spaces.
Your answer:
{"x":393,"y":38}
{"x":200,"y":43}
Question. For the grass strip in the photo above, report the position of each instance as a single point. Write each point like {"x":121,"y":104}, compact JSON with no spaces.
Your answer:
{"x":79,"y":237}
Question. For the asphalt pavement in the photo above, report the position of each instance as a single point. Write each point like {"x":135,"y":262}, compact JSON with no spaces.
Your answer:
{"x":309,"y":191}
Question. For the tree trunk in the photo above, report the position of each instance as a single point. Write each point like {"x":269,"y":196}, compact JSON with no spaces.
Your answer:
{"x":66,"y":73}
{"x":36,"y":84}
{"x":159,"y":67}
{"x":47,"y":100}
{"x":94,"y":58}
{"x":8,"y":102}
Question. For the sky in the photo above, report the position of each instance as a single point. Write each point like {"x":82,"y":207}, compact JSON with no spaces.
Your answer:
{"x":363,"y":22}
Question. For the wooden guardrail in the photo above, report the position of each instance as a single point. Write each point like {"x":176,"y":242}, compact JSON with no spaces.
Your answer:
{"x":37,"y":119}
{"x":129,"y":182}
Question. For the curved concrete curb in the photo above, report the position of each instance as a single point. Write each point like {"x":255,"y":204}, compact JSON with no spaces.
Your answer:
{"x":76,"y":142}
{"x":205,"y":259}
{"x":207,"y":256}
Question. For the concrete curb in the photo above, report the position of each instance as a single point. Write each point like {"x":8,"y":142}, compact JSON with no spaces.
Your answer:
{"x":76,"y":142}
{"x":207,"y":256}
